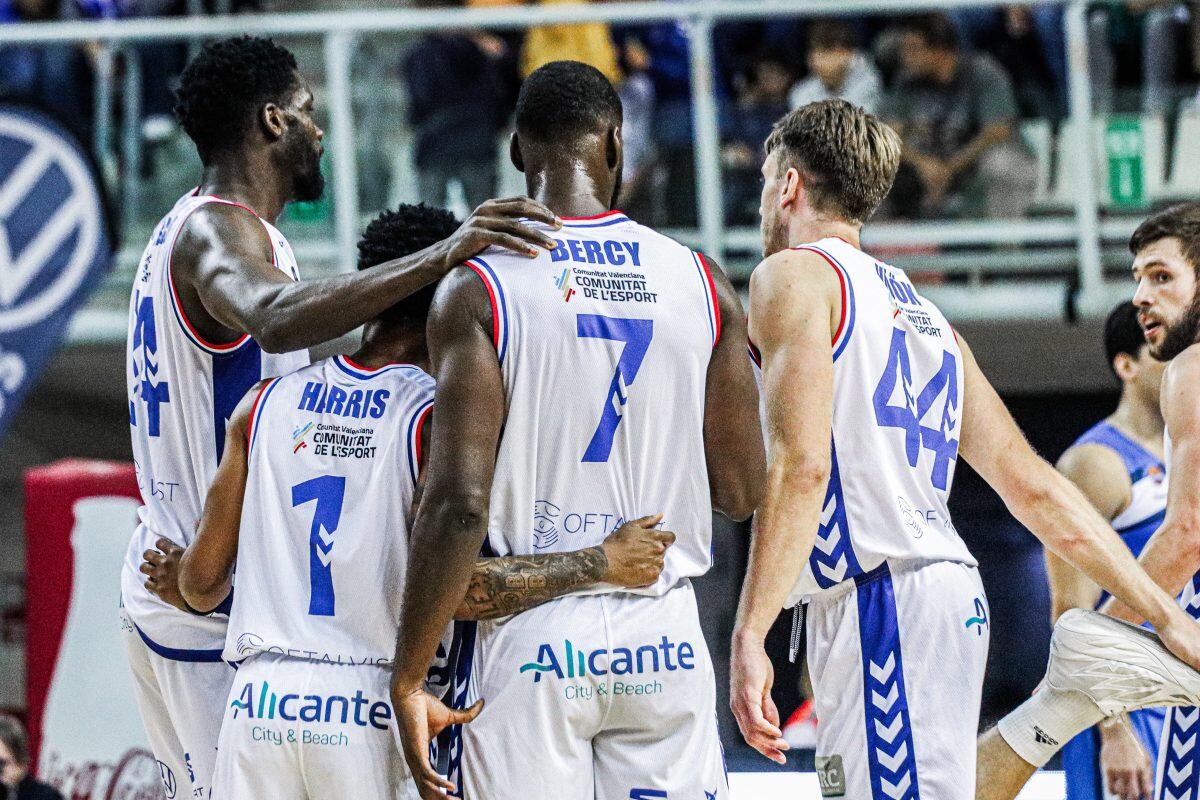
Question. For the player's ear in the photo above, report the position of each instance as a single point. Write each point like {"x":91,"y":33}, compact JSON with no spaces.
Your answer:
{"x":514,"y":153}
{"x":271,"y":118}
{"x":793,"y":185}
{"x":1125,"y":366}
{"x":613,"y":145}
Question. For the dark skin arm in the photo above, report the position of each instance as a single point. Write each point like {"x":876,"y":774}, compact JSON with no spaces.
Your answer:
{"x":206,"y":567}
{"x":452,"y":519}
{"x":228,"y":284}
{"x":733,"y":444}
{"x":631,"y":557}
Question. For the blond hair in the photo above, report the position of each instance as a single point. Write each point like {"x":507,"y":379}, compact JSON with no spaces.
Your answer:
{"x":848,"y":157}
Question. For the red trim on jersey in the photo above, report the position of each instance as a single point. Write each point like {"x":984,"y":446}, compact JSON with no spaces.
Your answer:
{"x":254,"y":412}
{"x":841,"y":280}
{"x":417,"y":436}
{"x":601,"y":215}
{"x":755,"y":353}
{"x":716,"y":306}
{"x":487,"y":284}
{"x":189,"y":327}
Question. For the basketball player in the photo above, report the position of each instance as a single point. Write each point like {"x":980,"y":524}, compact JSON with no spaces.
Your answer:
{"x":854,"y":518}
{"x":1118,"y":465}
{"x":217,"y":305}
{"x":608,"y":381}
{"x":311,"y":499}
{"x":1166,"y":251}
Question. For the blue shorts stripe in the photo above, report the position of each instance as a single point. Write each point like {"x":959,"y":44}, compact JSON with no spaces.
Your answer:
{"x":891,"y":757}
{"x":465,"y":634}
{"x":180,"y":654}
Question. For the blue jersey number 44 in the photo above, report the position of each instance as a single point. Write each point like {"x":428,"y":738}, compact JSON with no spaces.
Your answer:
{"x":636,"y":334}
{"x":910,"y":415}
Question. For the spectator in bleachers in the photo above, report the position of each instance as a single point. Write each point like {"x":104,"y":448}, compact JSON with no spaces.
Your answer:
{"x":589,"y":42}
{"x":956,"y":114}
{"x":1029,"y":43}
{"x":837,"y":69}
{"x":15,"y":780}
{"x":456,"y":106}
{"x":761,"y":100}
{"x":639,"y":189}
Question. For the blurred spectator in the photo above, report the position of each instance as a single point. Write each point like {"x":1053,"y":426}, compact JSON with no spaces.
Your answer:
{"x":54,"y":78}
{"x":957,"y":115}
{"x":589,"y":42}
{"x":638,"y":187}
{"x":15,"y":779}
{"x":760,"y":103}
{"x":1029,"y":43}
{"x":837,"y":69}
{"x":456,"y":107}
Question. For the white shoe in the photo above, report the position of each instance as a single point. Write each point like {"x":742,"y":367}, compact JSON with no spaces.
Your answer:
{"x":1120,"y":666}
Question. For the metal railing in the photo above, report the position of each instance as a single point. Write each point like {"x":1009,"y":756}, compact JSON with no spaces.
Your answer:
{"x":340,"y":32}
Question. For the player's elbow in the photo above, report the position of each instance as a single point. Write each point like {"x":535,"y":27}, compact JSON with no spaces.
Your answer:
{"x":737,"y":499}
{"x":803,"y":472}
{"x":460,"y":515}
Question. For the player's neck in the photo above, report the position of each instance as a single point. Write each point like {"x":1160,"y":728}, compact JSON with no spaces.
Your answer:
{"x":803,"y":231}
{"x":237,"y":179}
{"x":1139,"y":419}
{"x":571,"y":192}
{"x":388,"y":344}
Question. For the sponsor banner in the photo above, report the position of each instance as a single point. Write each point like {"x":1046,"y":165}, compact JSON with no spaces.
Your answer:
{"x":84,"y":725}
{"x":55,"y":244}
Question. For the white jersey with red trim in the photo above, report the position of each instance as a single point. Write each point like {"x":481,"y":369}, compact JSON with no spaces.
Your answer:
{"x":182,"y":390}
{"x":897,"y":413}
{"x":334,"y":453}
{"x":604,"y":345}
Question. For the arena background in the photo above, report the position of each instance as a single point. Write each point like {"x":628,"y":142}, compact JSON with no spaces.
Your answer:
{"x":1104,"y":127}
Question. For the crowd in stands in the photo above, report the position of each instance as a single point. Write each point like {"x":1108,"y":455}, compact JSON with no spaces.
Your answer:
{"x":955,"y":85}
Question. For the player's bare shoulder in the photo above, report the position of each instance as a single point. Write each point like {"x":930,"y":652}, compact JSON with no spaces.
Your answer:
{"x":786,"y":283}
{"x":1178,"y":398}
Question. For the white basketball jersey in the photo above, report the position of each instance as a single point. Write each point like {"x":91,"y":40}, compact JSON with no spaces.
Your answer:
{"x":897,"y":412}
{"x":334,"y":457}
{"x":182,"y":390}
{"x":604,"y":346}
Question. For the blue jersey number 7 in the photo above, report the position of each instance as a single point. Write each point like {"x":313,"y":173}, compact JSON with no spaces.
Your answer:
{"x":636,"y":334}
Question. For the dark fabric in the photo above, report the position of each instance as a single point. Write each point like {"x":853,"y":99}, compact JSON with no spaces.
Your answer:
{"x":33,"y":789}
{"x":455,"y":94}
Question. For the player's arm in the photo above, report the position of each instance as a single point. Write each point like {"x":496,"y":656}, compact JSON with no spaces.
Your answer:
{"x":452,"y":519}
{"x":1056,"y":512}
{"x":631,"y":556}
{"x":206,"y":566}
{"x":733,"y":446}
{"x":1172,"y":556}
{"x":222,"y":265}
{"x":794,"y":307}
{"x":1101,"y":476}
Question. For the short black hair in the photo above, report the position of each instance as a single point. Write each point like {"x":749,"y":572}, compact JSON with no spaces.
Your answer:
{"x":1122,"y":333}
{"x":400,"y":233}
{"x":935,"y":29}
{"x":563,"y":100}
{"x":224,"y":86}
{"x":1181,"y":222}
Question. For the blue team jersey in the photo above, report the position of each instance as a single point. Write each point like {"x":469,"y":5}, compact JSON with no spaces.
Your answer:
{"x":1136,"y":524}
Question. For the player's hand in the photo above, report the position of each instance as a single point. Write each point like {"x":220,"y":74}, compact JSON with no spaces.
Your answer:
{"x":498,"y":223}
{"x":161,"y":568}
{"x":1124,"y":763}
{"x":420,"y":717}
{"x":1181,"y":635}
{"x":636,"y":552}
{"x":750,"y":679}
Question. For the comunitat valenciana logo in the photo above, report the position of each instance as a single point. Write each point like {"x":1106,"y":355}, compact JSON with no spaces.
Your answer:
{"x":266,"y":704}
{"x":571,"y":662}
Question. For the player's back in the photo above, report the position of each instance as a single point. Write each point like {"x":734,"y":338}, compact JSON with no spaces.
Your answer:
{"x":333,"y":461}
{"x":182,"y":390}
{"x":897,"y":412}
{"x":604,"y":345}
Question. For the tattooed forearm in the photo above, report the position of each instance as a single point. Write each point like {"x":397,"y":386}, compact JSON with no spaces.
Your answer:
{"x":509,"y":585}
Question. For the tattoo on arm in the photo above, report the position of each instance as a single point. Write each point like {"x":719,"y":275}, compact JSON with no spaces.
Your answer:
{"x":512,"y":584}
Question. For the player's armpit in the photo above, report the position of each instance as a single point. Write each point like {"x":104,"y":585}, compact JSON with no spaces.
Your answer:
{"x":733,"y":446}
{"x":206,"y":565}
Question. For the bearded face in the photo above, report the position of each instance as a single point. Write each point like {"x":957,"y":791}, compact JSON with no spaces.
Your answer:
{"x":1168,"y":306}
